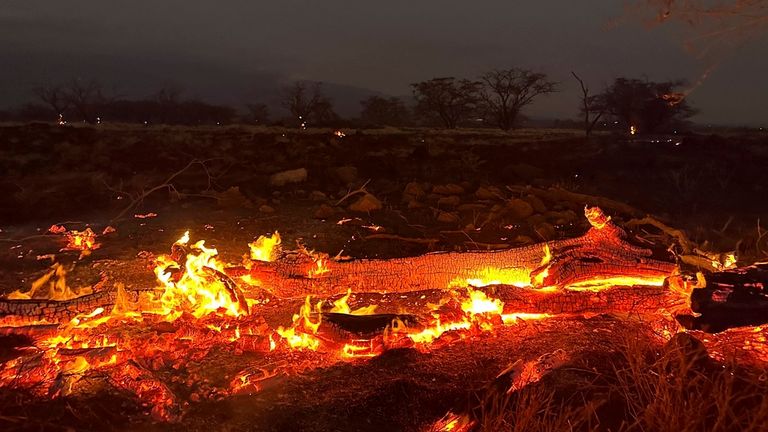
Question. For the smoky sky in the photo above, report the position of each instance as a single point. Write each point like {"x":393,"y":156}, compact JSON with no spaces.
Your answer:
{"x":240,"y":51}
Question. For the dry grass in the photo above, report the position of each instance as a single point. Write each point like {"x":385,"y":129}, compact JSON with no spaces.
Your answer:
{"x":677,"y":388}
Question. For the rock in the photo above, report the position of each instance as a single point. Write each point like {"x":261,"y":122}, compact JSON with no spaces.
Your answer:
{"x":317,"y":196}
{"x":232,"y":198}
{"x":288,"y":177}
{"x":449,"y":189}
{"x":519,"y":208}
{"x":266,"y":209}
{"x":561,"y":217}
{"x":412,"y":191}
{"x":449,"y":201}
{"x":446,"y":217}
{"x":366,"y":203}
{"x":545,"y":231}
{"x":324,"y":212}
{"x":472,"y":207}
{"x":484,"y":193}
{"x":413,"y":204}
{"x":536,"y":203}
{"x":347,"y":174}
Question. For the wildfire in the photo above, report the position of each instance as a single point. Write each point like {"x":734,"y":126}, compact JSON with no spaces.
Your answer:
{"x":198,"y":306}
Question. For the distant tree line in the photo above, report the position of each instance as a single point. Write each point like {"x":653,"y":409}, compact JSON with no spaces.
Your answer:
{"x":494,"y":99}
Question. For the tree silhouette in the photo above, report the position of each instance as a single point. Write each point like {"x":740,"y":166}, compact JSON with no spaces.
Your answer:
{"x":55,"y":96}
{"x":646,"y":105}
{"x":592,"y":106}
{"x":447,"y":99}
{"x":307,"y":104}
{"x":84,"y":96}
{"x":379,"y":110}
{"x":506,"y":91}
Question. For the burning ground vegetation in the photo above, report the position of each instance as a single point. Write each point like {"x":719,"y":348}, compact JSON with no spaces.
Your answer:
{"x":479,"y":294}
{"x":582,"y":333}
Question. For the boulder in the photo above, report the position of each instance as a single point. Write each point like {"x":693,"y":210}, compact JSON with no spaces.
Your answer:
{"x":288,"y":177}
{"x":449,"y":189}
{"x":519,"y":208}
{"x":366,"y":203}
{"x":449,"y":201}
{"x":447,"y":217}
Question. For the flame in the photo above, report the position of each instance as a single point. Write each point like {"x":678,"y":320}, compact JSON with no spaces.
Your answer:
{"x":198,"y":290}
{"x":596,"y":217}
{"x":321,"y":268}
{"x":453,"y":423}
{"x":341,"y":306}
{"x":479,"y":303}
{"x":266,"y":248}
{"x":301,"y":334}
{"x":52,"y":285}
{"x":478,"y":313}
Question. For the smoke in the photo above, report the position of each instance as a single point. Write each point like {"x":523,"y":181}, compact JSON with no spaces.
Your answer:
{"x":710,"y":31}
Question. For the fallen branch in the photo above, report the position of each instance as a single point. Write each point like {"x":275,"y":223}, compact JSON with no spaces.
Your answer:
{"x":352,"y":193}
{"x":167,"y":184}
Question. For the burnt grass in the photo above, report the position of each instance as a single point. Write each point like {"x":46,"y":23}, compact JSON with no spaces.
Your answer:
{"x":713,"y":187}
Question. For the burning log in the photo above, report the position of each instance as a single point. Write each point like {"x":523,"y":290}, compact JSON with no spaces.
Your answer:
{"x":27,"y":311}
{"x":602,"y":254}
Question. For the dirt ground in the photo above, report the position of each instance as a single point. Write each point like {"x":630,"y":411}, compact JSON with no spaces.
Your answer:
{"x":433,"y":191}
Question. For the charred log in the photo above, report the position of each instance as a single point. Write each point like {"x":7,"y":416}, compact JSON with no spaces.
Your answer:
{"x":732,"y":298}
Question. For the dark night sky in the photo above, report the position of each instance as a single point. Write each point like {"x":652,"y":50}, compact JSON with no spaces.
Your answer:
{"x":240,"y":50}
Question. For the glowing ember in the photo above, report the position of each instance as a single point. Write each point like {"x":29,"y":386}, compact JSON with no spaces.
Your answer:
{"x":84,"y":241}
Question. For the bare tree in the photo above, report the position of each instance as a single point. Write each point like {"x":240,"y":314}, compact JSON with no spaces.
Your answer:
{"x":55,"y":96}
{"x":506,"y":91}
{"x":448,"y":99}
{"x":84,"y":96}
{"x":592,"y":107}
{"x":306,"y":102}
